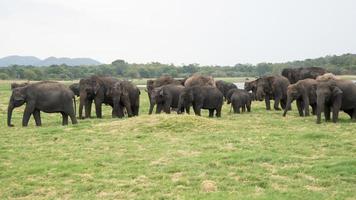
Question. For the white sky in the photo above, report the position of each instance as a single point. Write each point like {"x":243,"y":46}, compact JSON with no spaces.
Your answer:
{"x":223,"y":32}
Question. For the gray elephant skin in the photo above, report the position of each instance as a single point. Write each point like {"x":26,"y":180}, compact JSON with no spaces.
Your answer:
{"x":75,"y":89}
{"x":304,"y":92}
{"x":46,"y":96}
{"x":95,"y":89}
{"x":224,"y":87}
{"x":272,"y":87}
{"x":239,"y":99}
{"x":166,"y":98}
{"x":159,"y":82}
{"x":126,"y":96}
{"x":296,"y":74}
{"x":333,"y":96}
{"x":201,"y":97}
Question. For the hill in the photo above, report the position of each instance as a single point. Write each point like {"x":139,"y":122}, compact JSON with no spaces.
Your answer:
{"x":34,"y":61}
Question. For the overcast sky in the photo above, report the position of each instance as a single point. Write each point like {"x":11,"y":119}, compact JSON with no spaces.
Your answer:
{"x":223,"y":32}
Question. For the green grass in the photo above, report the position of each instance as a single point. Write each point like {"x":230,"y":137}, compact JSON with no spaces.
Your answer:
{"x":257,"y":155}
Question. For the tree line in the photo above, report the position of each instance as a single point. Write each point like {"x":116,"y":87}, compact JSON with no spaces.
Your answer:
{"x":340,"y":65}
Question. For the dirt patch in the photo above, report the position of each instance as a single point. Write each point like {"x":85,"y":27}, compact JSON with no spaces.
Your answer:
{"x":209,"y":186}
{"x":314,"y":188}
{"x":176,"y":176}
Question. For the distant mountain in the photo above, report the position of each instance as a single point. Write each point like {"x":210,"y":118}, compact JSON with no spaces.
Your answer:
{"x":34,"y":61}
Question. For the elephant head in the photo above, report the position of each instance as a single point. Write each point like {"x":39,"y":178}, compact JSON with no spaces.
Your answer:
{"x":292,"y":94}
{"x":328,"y":94}
{"x":262,"y":86}
{"x":88,"y":88}
{"x":120,"y":94}
{"x":185,"y":100}
{"x":17,"y":99}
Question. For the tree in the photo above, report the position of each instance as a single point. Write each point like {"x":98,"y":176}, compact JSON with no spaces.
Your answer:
{"x":4,"y":76}
{"x":29,"y":74}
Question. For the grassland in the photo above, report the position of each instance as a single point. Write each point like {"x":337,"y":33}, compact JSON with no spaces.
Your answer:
{"x":257,"y":155}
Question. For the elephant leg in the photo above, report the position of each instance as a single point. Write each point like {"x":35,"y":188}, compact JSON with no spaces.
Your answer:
{"x":284,"y":103}
{"x":120,"y":111}
{"x":167,"y":106}
{"x":73,"y":118}
{"x":98,"y":109}
{"x":353,"y":117}
{"x":37,"y":116}
{"x":335,"y":113}
{"x":65,"y":118}
{"x":159,"y":108}
{"x":135,"y":110}
{"x":235,"y":107}
{"x":327,"y":113}
{"x":277,"y":101}
{"x":87,"y":106}
{"x":218,"y":111}
{"x":268,"y":103}
{"x":248,"y":106}
{"x":238,"y":109}
{"x":197,"y":110}
{"x":211,"y":112}
{"x":29,"y":109}
{"x":300,"y":107}
{"x":243,"y":108}
{"x":314,"y":109}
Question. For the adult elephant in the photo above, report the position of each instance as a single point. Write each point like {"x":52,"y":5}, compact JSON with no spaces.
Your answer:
{"x":296,"y":74}
{"x":161,"y":81}
{"x":125,"y":95}
{"x":75,"y":89}
{"x":272,"y":87}
{"x":304,"y":92}
{"x":199,"y":80}
{"x":201,"y":97}
{"x":166,"y":97}
{"x":46,"y":96}
{"x":95,"y":89}
{"x":224,"y":87}
{"x":336,"y":95}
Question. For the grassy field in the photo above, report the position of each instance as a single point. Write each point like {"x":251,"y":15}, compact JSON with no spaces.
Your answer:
{"x":257,"y":155}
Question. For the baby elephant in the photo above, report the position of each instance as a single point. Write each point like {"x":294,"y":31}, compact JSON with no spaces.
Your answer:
{"x":46,"y":96}
{"x":166,"y":97}
{"x":239,"y":99}
{"x":201,"y":97}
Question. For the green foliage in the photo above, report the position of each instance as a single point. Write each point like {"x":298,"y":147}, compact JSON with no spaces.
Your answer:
{"x":344,"y":64}
{"x":4,"y":76}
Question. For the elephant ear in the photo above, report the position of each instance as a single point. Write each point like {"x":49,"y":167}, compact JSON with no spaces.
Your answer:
{"x":124,"y":90}
{"x":336,"y":91}
{"x":161,"y":92}
{"x":96,"y":88}
{"x":17,"y":95}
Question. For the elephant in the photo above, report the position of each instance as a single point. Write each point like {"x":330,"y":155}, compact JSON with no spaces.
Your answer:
{"x":16,"y":85}
{"x":95,"y":89}
{"x":163,"y":80}
{"x":272,"y":87}
{"x":201,"y":97}
{"x":239,"y":99}
{"x":166,"y":97}
{"x":46,"y":96}
{"x":335,"y":95}
{"x":296,"y":74}
{"x":125,"y":95}
{"x":224,"y":87}
{"x":75,"y":89}
{"x":199,"y":80}
{"x":251,"y":86}
{"x":304,"y":91}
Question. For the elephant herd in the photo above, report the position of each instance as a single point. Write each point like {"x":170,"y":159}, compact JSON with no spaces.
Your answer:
{"x":307,"y":86}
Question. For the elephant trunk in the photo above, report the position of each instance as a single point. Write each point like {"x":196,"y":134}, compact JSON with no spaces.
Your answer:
{"x":288,"y":105}
{"x":9,"y":113}
{"x":320,"y":108}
